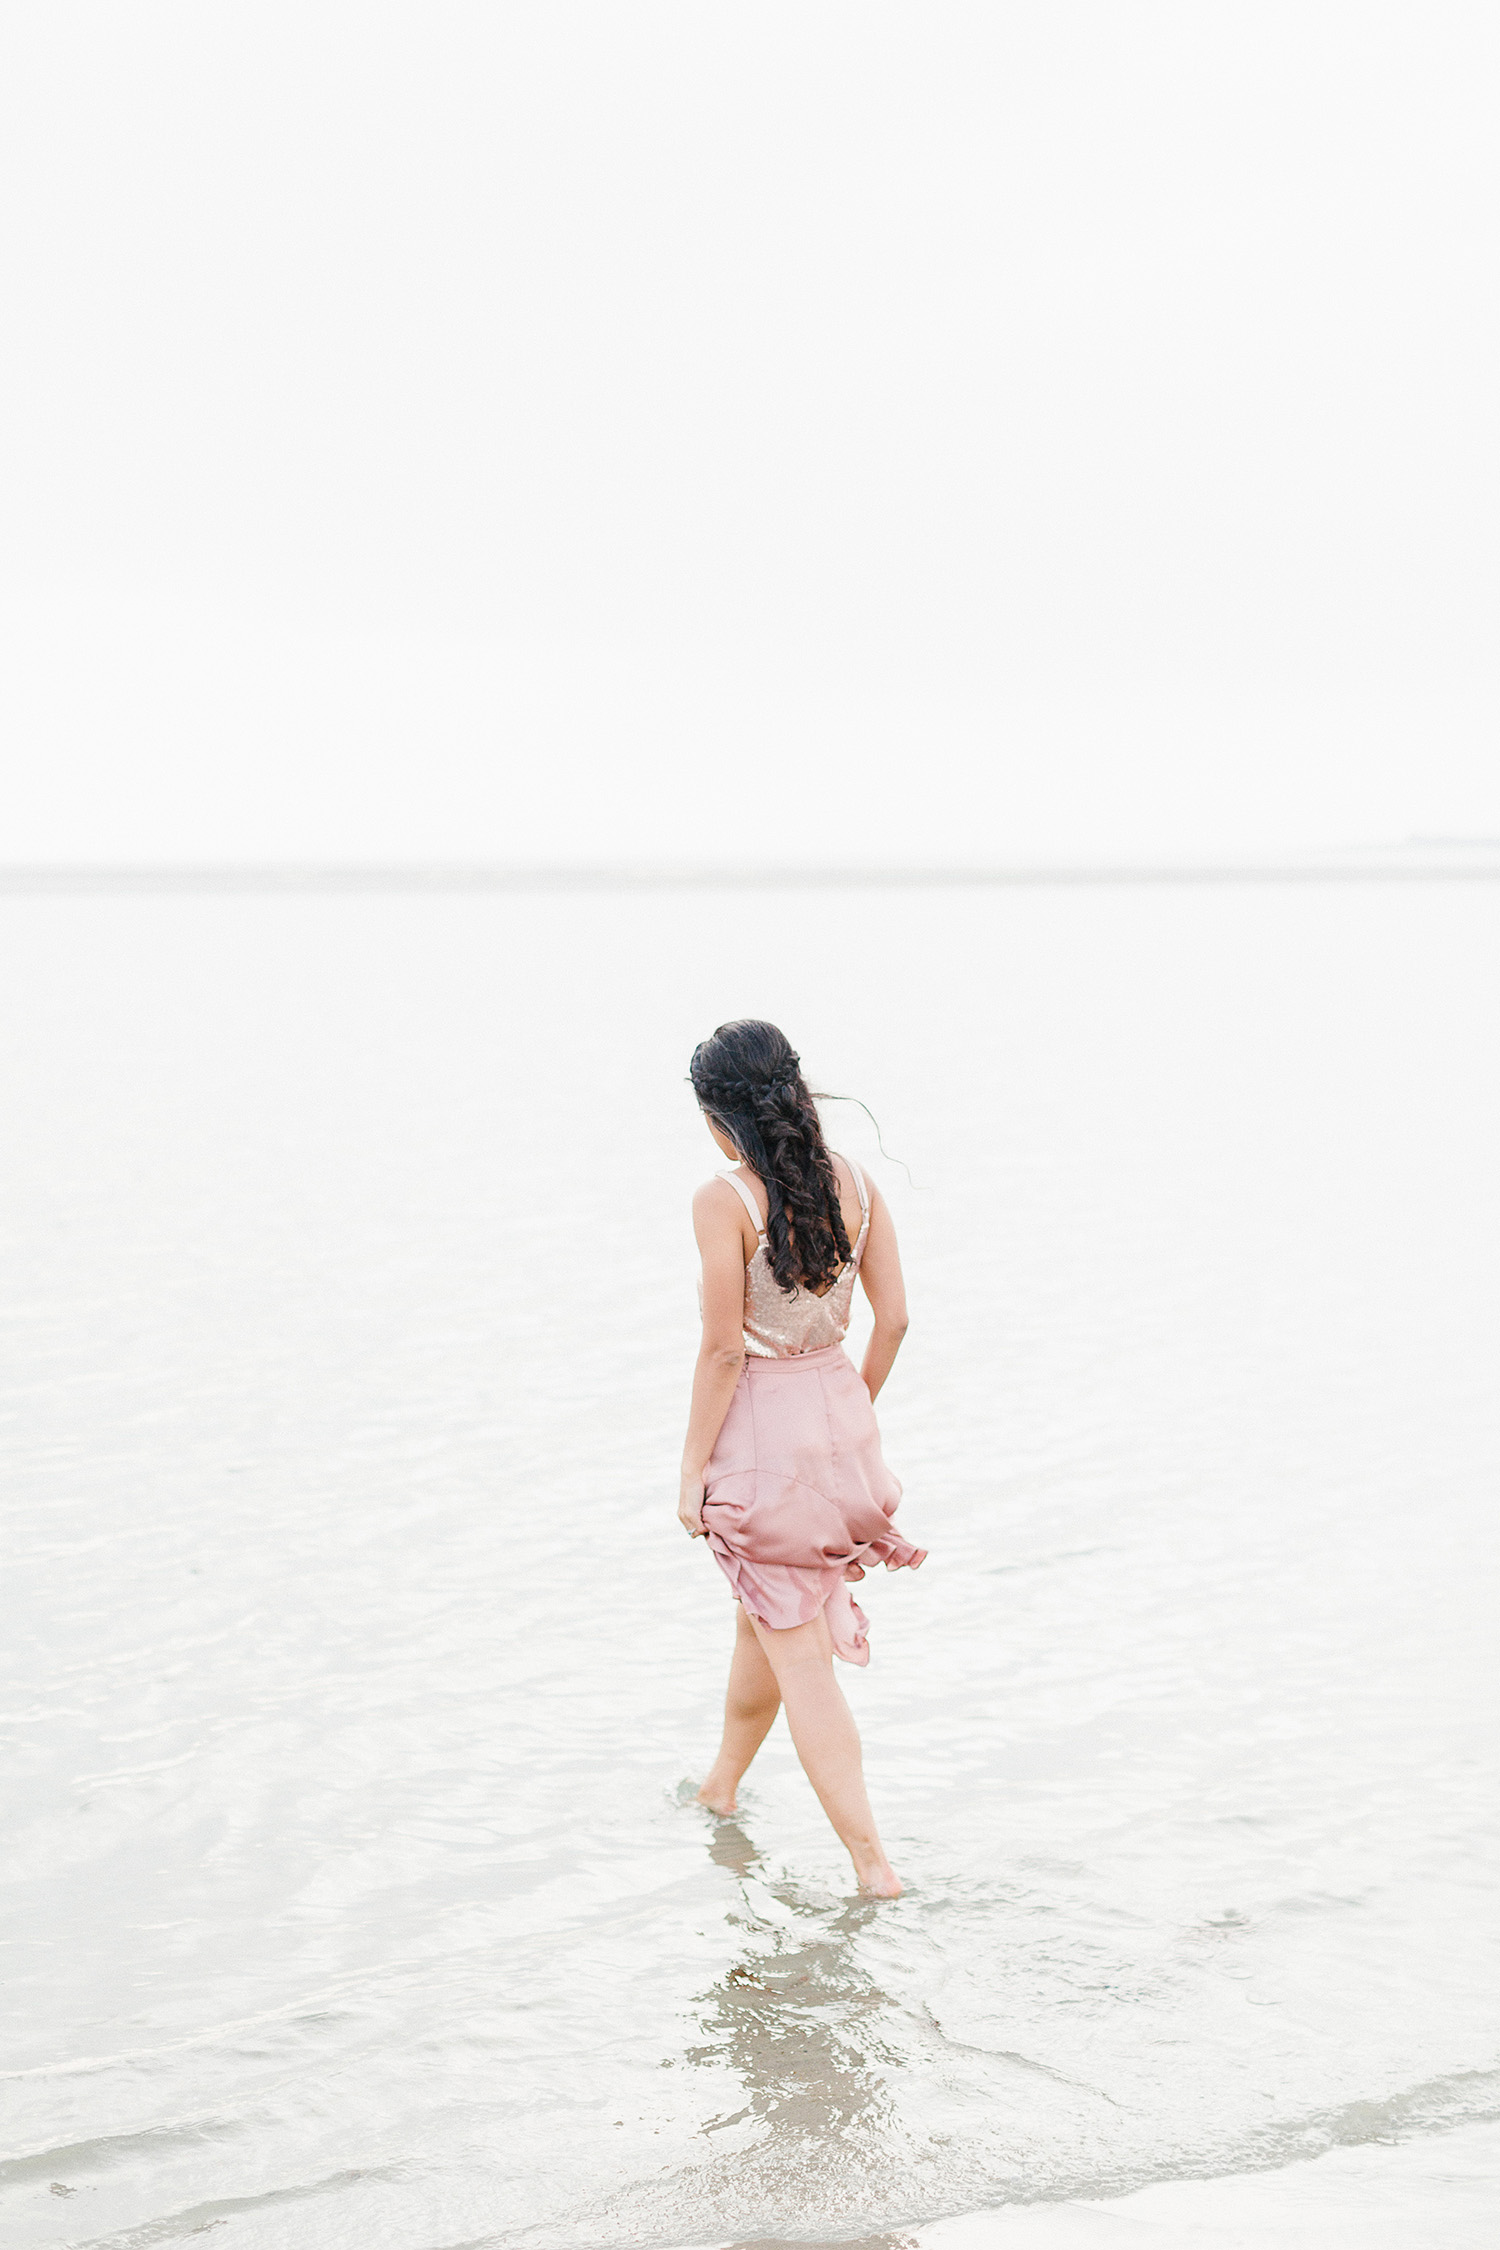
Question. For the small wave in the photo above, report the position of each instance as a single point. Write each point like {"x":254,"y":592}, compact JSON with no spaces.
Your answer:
{"x":200,"y":2216}
{"x":1467,"y":2097}
{"x":111,"y":2149}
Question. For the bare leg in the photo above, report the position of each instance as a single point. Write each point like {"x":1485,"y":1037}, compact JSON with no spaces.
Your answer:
{"x":827,"y":1740}
{"x":750,"y":1707}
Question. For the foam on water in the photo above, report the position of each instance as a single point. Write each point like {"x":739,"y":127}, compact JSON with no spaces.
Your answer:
{"x":359,"y":1669}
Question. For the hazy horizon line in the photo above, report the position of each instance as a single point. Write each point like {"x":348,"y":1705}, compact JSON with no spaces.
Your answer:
{"x":333,"y":876}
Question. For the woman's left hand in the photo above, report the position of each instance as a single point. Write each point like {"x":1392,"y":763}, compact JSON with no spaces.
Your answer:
{"x":690,"y":1506}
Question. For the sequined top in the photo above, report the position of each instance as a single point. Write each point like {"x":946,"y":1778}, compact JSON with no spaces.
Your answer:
{"x":778,"y":1326}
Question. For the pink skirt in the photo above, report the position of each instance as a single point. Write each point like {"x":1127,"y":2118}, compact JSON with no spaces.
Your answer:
{"x":798,"y":1499}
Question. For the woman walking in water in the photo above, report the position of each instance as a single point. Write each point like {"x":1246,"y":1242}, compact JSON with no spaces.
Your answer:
{"x":782,"y":1471}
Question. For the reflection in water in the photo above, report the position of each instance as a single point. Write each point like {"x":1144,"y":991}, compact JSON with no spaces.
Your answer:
{"x":798,"y":2021}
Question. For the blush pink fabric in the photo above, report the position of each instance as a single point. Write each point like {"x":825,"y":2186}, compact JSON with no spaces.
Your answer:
{"x":798,"y":1499}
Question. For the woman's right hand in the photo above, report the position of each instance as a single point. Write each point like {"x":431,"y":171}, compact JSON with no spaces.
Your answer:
{"x":690,"y":1506}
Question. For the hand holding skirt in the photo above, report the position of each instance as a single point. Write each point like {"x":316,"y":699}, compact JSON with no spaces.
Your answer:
{"x":798,"y":1499}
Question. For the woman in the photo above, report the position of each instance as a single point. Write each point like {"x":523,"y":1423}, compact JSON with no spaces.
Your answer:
{"x":782,"y":1471}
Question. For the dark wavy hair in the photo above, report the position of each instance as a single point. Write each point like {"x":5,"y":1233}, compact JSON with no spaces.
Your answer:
{"x":748,"y":1079}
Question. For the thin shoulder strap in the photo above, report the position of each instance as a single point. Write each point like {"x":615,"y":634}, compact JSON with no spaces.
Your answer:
{"x":748,"y":1200}
{"x":859,"y":1181}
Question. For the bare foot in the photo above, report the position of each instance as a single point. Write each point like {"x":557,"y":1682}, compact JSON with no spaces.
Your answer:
{"x":718,"y":1800}
{"x":880,"y":1881}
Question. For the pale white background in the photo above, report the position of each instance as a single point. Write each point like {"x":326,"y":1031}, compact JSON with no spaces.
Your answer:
{"x":564,"y":432}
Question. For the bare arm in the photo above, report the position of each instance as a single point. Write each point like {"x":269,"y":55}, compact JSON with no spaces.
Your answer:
{"x":721,"y":1354}
{"x":880,"y":1271}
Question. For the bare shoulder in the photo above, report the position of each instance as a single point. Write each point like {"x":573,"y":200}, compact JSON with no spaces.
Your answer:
{"x":718,"y":1206}
{"x":721,"y":1219}
{"x":879,"y":1209}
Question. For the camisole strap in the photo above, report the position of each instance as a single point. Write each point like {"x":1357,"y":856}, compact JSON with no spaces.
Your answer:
{"x":858,"y":1249}
{"x":748,"y":1200}
{"x":859,"y":1181}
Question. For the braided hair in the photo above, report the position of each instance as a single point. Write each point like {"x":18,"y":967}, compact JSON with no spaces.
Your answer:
{"x":749,"y":1081}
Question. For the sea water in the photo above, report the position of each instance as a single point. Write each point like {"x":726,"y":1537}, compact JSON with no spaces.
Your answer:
{"x":359,"y":1674}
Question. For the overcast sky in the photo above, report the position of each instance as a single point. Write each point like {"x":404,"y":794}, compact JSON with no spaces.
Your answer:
{"x":936,"y":433}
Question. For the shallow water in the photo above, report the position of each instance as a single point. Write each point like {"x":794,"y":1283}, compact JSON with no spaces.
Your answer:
{"x":358,"y":1669}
